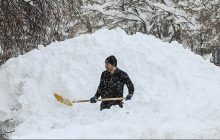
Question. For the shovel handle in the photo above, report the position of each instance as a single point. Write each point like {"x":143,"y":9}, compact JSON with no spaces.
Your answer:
{"x":111,"y":99}
{"x":105,"y":99}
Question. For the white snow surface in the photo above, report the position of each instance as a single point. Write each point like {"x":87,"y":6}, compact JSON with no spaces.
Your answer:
{"x":176,"y":92}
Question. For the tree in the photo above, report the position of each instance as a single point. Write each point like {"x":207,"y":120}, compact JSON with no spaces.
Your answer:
{"x":148,"y":16}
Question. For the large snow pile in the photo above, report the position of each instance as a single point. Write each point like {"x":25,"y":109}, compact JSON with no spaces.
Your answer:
{"x":176,"y":92}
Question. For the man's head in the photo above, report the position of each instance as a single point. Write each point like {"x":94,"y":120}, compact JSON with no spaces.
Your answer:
{"x":110,"y":63}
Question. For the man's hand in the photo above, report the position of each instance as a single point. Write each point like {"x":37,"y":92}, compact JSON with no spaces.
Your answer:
{"x":93,"y":99}
{"x":128,"y":97}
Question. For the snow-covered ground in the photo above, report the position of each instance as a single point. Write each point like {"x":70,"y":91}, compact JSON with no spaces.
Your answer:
{"x":176,"y":92}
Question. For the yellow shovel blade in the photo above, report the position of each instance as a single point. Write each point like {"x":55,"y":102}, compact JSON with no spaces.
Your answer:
{"x":63,"y":99}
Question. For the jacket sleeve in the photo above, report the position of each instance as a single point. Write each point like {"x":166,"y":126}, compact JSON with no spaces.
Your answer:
{"x":128,"y":83}
{"x":100,"y":87}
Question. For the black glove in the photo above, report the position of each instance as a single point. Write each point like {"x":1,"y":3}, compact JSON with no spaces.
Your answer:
{"x":93,"y":99}
{"x":128,"y":97}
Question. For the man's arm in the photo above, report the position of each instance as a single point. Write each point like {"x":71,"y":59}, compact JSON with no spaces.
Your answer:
{"x":100,"y":87}
{"x":129,"y":84}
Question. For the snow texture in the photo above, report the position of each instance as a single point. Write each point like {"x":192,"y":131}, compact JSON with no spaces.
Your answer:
{"x":176,"y":92}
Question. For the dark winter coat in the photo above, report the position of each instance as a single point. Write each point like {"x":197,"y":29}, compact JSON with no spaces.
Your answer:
{"x":112,"y":85}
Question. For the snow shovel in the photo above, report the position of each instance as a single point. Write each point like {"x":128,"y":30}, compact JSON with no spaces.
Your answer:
{"x":70,"y":102}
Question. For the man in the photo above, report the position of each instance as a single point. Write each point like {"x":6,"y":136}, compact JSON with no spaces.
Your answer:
{"x":112,"y":84}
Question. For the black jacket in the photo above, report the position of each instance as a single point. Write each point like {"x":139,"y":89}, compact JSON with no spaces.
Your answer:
{"x":112,"y":85}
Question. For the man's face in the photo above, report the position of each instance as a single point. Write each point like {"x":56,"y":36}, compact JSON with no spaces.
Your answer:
{"x":109,"y":67}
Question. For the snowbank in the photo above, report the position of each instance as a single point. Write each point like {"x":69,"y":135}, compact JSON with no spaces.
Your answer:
{"x":176,"y":92}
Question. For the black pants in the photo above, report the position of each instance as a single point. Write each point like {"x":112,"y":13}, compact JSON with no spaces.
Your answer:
{"x":108,"y":104}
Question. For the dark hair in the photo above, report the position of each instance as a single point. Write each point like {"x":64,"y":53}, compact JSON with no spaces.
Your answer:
{"x":111,"y":60}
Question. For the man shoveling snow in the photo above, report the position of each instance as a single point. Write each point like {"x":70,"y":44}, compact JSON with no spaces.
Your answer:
{"x":111,"y":85}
